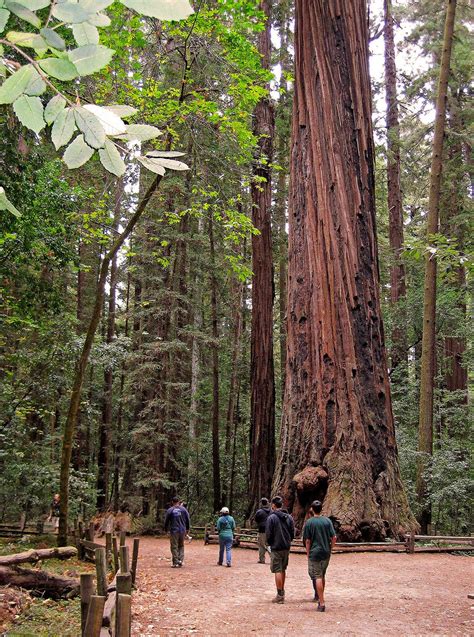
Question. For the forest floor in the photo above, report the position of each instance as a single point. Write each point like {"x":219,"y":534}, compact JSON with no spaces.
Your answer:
{"x":367,"y":594}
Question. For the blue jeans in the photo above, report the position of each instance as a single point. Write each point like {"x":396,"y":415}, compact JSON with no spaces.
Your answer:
{"x":225,"y":543}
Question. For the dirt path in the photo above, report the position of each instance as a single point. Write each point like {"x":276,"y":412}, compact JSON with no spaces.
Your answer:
{"x":367,"y":594}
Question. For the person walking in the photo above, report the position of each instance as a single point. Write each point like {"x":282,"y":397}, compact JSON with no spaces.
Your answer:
{"x":54,"y":511}
{"x":261,"y":517}
{"x":225,"y":527}
{"x":319,"y":539}
{"x":177,"y":524}
{"x":280,"y":531}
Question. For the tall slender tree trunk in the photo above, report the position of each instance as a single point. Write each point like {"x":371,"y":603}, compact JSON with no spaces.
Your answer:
{"x":216,"y":477}
{"x":105,"y":425}
{"x":399,"y":349}
{"x":282,"y":151}
{"x":120,"y":435}
{"x":428,"y":353}
{"x":456,"y":377}
{"x":195,"y":373}
{"x":337,"y":439}
{"x":262,"y":419}
{"x":234,"y":385}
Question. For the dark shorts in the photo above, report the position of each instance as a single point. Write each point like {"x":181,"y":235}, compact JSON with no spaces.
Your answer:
{"x":279,"y":561}
{"x":317,"y":568}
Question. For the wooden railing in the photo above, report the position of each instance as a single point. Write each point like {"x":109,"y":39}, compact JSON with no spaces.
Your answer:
{"x":107,"y":611}
{"x":247,"y":538}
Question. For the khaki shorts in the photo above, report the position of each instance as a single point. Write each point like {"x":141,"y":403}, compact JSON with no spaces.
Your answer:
{"x":279,"y":561}
{"x":317,"y":568}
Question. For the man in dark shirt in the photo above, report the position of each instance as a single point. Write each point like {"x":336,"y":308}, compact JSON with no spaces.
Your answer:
{"x":319,"y":538}
{"x":280,"y":531}
{"x":177,"y":524}
{"x":261,"y":517}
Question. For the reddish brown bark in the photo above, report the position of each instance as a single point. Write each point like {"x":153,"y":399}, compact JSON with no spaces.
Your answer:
{"x":262,"y":420}
{"x":337,"y":439}
{"x":455,"y":346}
{"x":399,"y":349}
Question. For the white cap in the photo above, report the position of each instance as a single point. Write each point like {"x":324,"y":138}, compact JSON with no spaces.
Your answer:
{"x":224,"y":510}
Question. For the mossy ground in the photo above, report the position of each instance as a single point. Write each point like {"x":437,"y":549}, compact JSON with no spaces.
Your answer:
{"x":45,"y":617}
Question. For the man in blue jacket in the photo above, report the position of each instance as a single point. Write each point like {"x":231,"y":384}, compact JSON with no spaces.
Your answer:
{"x":177,"y":524}
{"x":280,"y":532}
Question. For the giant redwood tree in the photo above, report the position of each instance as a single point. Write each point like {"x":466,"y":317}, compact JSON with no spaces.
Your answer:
{"x":337,"y":439}
{"x":262,"y":423}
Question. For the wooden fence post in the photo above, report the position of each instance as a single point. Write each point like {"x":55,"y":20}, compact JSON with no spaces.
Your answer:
{"x":124,"y":583}
{"x":116,"y":554}
{"x":123,"y":537}
{"x":87,"y":590}
{"x":91,"y":532}
{"x":124,"y":559}
{"x":108,"y":548}
{"x":101,"y":571}
{"x":94,"y":616}
{"x":123,"y":616}
{"x":411,"y":543}
{"x":136,"y":545}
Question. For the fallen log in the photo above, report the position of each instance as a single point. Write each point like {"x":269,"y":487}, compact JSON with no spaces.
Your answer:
{"x":40,"y":583}
{"x":35,"y":555}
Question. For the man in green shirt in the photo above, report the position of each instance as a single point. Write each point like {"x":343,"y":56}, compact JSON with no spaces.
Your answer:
{"x":319,"y":538}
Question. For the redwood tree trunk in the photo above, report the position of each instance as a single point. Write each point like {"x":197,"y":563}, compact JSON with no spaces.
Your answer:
{"x":399,"y":349}
{"x":428,"y":351}
{"x":216,"y":477}
{"x":105,"y":425}
{"x":262,"y":420}
{"x":337,"y":439}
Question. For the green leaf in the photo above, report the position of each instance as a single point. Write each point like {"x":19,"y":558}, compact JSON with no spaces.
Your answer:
{"x":165,"y":153}
{"x":63,"y":128}
{"x":37,"y":86}
{"x":28,"y":40}
{"x":140,"y":133}
{"x":111,"y":160}
{"x":122,"y":110}
{"x":152,"y":165}
{"x":111,"y":123}
{"x":7,"y":205}
{"x":169,"y":163}
{"x":15,"y":85}
{"x":24,"y":14}
{"x":100,"y":20}
{"x":77,"y":153}
{"x":53,"y":39}
{"x":4,"y":15}
{"x":92,"y":6}
{"x":85,"y":33}
{"x":54,"y":108}
{"x":29,"y":111}
{"x":88,"y":123}
{"x":90,"y":58}
{"x":34,"y":5}
{"x":70,"y":13}
{"x":161,"y":9}
{"x":60,"y":69}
